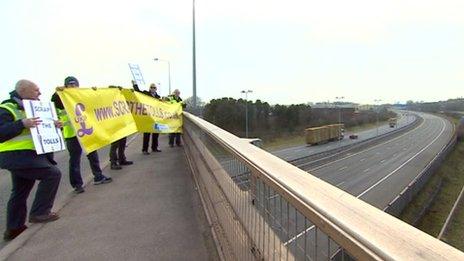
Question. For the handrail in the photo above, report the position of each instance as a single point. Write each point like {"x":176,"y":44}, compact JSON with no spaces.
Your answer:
{"x":363,"y":230}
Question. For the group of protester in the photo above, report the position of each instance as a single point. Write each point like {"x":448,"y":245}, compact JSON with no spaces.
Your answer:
{"x":174,"y":97}
{"x":18,"y":155}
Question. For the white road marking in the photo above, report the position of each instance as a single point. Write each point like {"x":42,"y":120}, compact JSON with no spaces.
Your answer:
{"x":338,"y":185}
{"x":363,"y":159}
{"x":382,"y":161}
{"x":343,"y":168}
{"x":406,"y":162}
{"x":366,"y":170}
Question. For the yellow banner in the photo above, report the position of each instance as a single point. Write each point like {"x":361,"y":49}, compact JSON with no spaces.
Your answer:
{"x":104,"y":115}
{"x":152,"y":115}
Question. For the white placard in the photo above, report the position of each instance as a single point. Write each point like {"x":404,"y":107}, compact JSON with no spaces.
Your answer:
{"x":46,"y":137}
{"x":137,"y":74}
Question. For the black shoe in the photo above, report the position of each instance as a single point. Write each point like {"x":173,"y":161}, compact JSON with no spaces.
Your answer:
{"x":126,"y":162}
{"x":115,"y":166}
{"x":156,"y":150}
{"x":52,"y":216}
{"x":79,"y":190}
{"x":179,"y":145}
{"x":11,"y":234}
{"x":171,"y":145}
{"x":103,"y":179}
{"x":145,"y":152}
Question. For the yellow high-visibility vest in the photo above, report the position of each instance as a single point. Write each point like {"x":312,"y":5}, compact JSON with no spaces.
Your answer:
{"x":68,"y":129}
{"x":24,"y":140}
{"x":172,"y":100}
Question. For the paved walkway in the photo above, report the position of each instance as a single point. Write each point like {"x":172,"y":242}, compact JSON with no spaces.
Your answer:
{"x":151,"y":211}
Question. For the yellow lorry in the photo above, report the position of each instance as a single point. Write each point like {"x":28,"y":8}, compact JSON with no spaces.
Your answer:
{"x":318,"y":135}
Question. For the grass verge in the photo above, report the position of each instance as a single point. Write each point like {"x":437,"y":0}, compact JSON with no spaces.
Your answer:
{"x":455,"y":233}
{"x":290,"y":140}
{"x":365,"y":126}
{"x":421,"y":200}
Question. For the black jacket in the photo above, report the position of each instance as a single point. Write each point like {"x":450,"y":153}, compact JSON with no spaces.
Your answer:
{"x":57,"y":101}
{"x":18,"y":159}
{"x":137,"y":89}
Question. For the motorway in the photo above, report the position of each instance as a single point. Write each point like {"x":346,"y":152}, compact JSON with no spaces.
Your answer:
{"x":378,"y":174}
{"x":297,"y":152}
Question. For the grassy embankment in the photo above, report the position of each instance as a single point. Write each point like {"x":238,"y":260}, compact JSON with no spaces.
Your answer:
{"x":451,"y":175}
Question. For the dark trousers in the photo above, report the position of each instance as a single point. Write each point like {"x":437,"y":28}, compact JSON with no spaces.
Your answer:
{"x":154,"y":141}
{"x":23,"y":181}
{"x":75,"y":152}
{"x":176,"y":137}
{"x":117,"y":149}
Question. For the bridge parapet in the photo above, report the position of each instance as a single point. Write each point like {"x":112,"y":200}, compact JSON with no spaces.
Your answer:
{"x":262,"y":207}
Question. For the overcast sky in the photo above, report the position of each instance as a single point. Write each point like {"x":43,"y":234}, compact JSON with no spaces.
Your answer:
{"x":285,"y":51}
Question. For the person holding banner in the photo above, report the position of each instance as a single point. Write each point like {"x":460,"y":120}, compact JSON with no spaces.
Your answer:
{"x":146,"y":136}
{"x":74,"y":148}
{"x":19,"y":157}
{"x":117,"y":154}
{"x":175,"y":98}
{"x":117,"y":150}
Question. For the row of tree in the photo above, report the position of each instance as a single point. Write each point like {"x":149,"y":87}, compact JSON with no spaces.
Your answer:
{"x":451,"y":105}
{"x":267,"y":122}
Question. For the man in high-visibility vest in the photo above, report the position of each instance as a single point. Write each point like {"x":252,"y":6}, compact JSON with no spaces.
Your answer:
{"x":175,"y":98}
{"x":18,"y":155}
{"x":74,"y":147}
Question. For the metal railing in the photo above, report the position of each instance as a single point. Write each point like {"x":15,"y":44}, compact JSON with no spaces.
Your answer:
{"x":263,"y":208}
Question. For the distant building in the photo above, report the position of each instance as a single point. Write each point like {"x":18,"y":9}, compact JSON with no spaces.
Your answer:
{"x":329,"y":105}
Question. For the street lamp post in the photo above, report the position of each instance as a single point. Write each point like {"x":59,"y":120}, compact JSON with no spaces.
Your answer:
{"x":246,"y":110}
{"x":169,"y":71}
{"x":339,"y":116}
{"x":377,"y":102}
{"x":194,"y":66}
